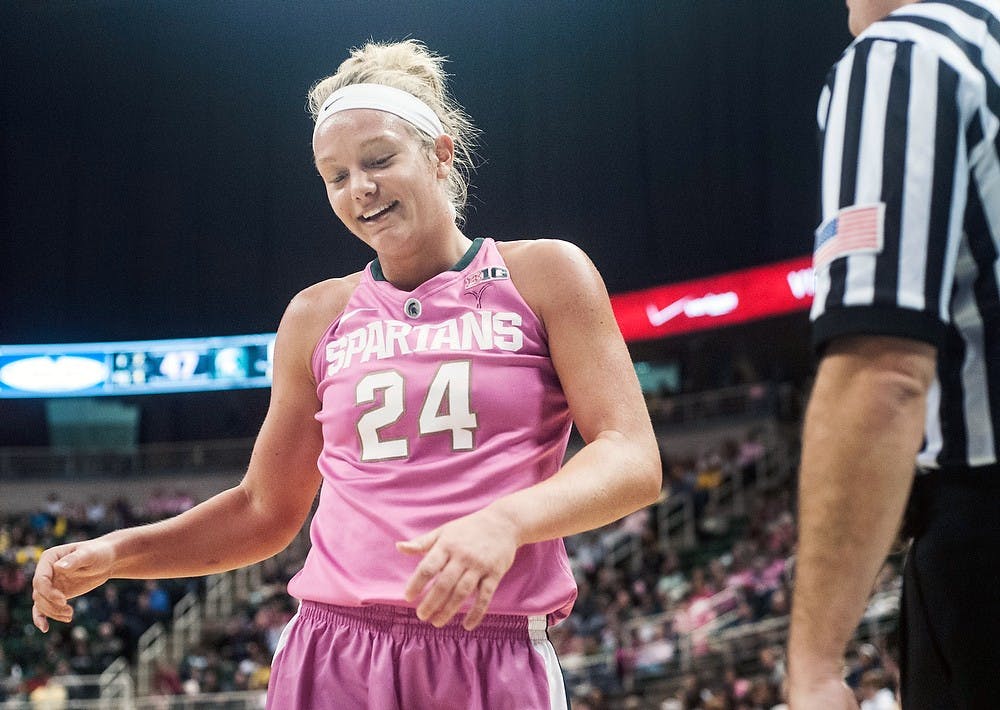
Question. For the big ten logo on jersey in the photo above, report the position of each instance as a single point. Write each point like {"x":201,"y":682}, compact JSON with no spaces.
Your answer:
{"x":386,"y":339}
{"x":477,"y":282}
{"x":490,"y":273}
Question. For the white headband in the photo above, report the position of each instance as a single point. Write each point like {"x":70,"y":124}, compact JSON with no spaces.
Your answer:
{"x":382,"y":98}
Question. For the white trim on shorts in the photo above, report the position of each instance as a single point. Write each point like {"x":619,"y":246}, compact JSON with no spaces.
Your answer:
{"x":283,"y":637}
{"x":553,"y":673}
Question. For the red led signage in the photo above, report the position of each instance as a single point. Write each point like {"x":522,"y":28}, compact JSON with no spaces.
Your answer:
{"x":727,"y":299}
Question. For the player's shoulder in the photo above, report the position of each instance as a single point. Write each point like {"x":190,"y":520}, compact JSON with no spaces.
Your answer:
{"x":308,"y":316}
{"x":317,"y":306}
{"x":551,"y":271}
{"x":542,"y":255}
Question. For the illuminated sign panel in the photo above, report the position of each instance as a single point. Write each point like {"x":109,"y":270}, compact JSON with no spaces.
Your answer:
{"x":713,"y":302}
{"x":140,"y":367}
{"x":245,"y":361}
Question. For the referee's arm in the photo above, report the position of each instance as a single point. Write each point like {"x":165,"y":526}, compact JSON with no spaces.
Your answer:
{"x":863,"y":429}
{"x":878,"y":315}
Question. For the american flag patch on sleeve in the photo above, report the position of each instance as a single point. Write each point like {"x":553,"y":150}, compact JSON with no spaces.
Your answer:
{"x":853,"y":230}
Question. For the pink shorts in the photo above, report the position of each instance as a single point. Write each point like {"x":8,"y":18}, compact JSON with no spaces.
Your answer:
{"x":385,"y":658}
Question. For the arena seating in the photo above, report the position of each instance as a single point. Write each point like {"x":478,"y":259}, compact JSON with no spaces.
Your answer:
{"x":682,"y":605}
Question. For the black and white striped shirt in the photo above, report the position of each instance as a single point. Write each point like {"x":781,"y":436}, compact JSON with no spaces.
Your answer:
{"x":910,"y":199}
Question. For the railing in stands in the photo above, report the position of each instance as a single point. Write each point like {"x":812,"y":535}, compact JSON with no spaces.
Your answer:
{"x":185,"y":631}
{"x":34,"y":462}
{"x":243,"y":700}
{"x":677,"y":522}
{"x":711,"y":647}
{"x":117,"y":688}
{"x":222,"y":591}
{"x":676,"y":515}
{"x":152,"y":648}
{"x":756,"y":399}
{"x":111,"y":690}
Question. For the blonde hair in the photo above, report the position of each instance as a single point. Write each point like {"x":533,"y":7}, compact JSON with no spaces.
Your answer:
{"x":411,"y":67}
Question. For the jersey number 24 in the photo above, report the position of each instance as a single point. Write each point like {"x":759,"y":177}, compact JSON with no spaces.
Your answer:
{"x":446,"y":409}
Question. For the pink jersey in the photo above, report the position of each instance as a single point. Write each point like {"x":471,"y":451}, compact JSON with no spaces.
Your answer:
{"x":435,"y":402}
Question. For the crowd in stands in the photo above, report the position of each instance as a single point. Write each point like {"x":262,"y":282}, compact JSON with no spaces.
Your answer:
{"x":107,"y":622}
{"x":660,"y":614}
{"x":235,"y":653}
{"x":641,"y":617}
{"x":654,"y":619}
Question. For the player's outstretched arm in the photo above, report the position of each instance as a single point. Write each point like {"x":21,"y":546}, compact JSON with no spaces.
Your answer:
{"x":239,"y":526}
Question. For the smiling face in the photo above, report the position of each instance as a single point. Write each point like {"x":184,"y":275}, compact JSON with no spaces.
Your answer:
{"x":382,"y":181}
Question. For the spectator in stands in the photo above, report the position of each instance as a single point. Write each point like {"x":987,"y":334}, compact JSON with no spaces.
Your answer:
{"x":751,"y":453}
{"x":82,"y":658}
{"x":443,"y":493}
{"x":654,"y":650}
{"x":588,"y":613}
{"x":762,"y":695}
{"x":109,"y":602}
{"x":587,"y":551}
{"x":877,"y":691}
{"x":867,"y":658}
{"x":13,"y":580}
{"x":109,"y":644}
{"x":681,"y":479}
{"x":737,"y":687}
{"x":765,"y":579}
{"x":49,"y":696}
{"x":166,"y":680}
{"x":53,"y":505}
{"x":672,"y":584}
{"x":772,"y":665}
{"x":269,"y":620}
{"x":9,"y":677}
{"x":96,"y":514}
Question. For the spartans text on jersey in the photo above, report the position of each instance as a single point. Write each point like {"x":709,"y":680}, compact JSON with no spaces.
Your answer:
{"x":383,"y":339}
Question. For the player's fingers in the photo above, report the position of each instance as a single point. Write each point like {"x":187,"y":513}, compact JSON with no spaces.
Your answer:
{"x":43,"y":573}
{"x":465,"y":586}
{"x":428,"y":568}
{"x":53,"y":606}
{"x":487,"y":587}
{"x":78,"y":559}
{"x":439,"y":591}
{"x":419,"y":544}
{"x":44,"y":592}
{"x":39,"y":619}
{"x":42,"y":581}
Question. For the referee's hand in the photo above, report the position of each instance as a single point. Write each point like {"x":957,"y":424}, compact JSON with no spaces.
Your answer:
{"x":825,"y":693}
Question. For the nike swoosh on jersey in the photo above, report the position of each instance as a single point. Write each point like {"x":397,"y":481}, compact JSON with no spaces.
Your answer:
{"x":354,"y":312}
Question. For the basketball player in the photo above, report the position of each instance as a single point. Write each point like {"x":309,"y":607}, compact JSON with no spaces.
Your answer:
{"x":436,"y":389}
{"x":907,"y":318}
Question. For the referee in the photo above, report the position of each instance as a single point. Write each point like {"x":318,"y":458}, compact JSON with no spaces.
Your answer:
{"x":906,"y":320}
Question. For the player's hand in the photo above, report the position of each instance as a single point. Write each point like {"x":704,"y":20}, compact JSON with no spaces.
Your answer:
{"x":827,"y":693}
{"x":65,"y":572}
{"x":463,"y":558}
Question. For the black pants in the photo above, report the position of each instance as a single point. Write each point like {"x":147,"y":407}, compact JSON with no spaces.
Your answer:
{"x":950,"y":635}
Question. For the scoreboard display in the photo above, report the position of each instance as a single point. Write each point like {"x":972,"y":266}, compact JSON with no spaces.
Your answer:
{"x":139,"y":367}
{"x":244,"y":361}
